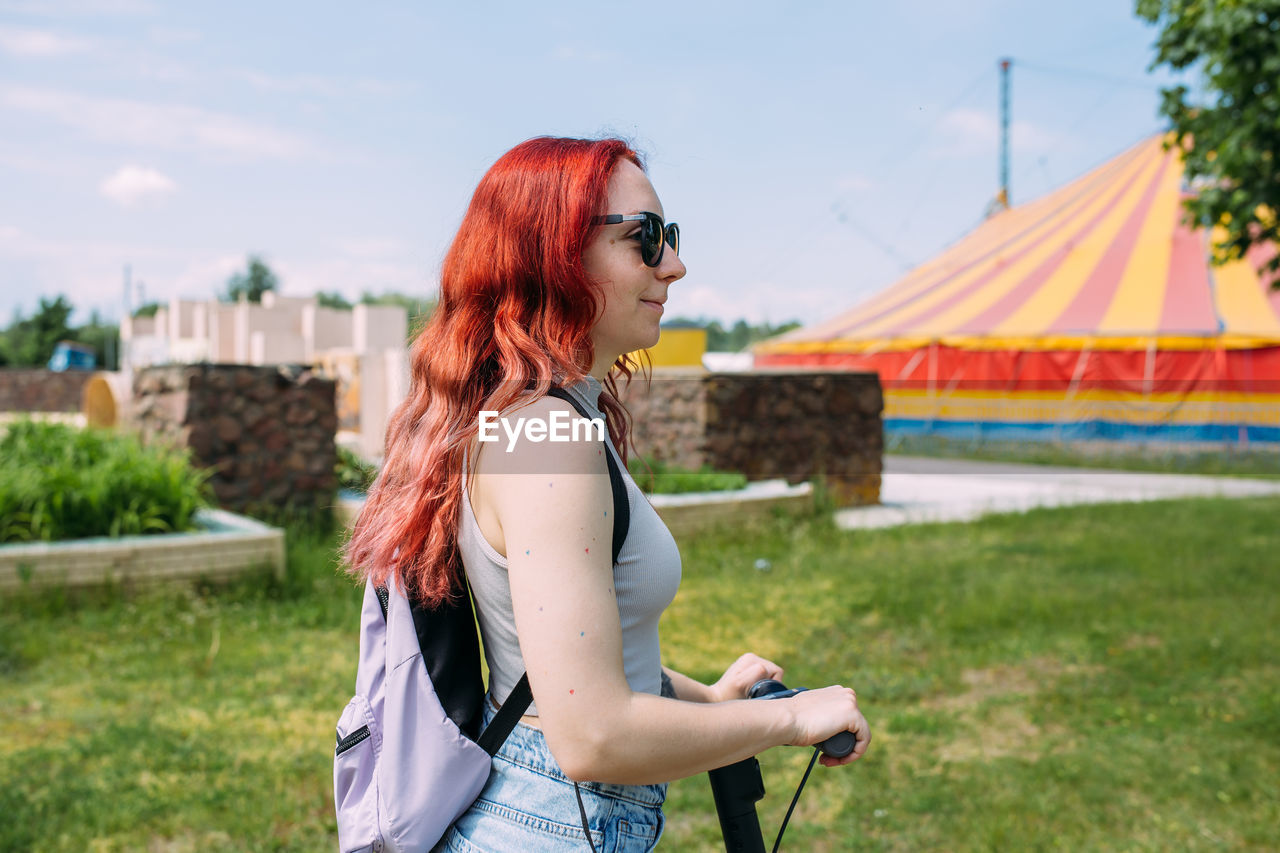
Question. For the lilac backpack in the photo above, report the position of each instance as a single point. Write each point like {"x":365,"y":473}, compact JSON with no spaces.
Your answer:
{"x":410,"y":758}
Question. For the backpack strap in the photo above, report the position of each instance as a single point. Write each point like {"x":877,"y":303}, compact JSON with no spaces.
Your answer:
{"x":621,"y":505}
{"x":500,"y":727}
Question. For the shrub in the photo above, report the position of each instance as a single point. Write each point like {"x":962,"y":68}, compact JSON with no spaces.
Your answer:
{"x":353,"y":472}
{"x":657,"y":477}
{"x":58,"y":482}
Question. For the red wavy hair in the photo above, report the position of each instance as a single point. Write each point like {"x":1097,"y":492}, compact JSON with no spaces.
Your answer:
{"x":516,"y":310}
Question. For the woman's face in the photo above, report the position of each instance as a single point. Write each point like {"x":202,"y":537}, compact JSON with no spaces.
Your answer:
{"x":633,"y":292}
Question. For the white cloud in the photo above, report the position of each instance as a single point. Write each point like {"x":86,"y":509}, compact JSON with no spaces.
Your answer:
{"x":40,"y":43}
{"x":352,"y":276}
{"x":206,"y":277}
{"x":129,"y":185}
{"x":970,"y":132}
{"x":170,"y":126}
{"x":88,"y":272}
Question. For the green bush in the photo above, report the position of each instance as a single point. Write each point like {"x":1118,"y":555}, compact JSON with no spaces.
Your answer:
{"x":58,"y":482}
{"x":657,"y":477}
{"x":353,"y":472}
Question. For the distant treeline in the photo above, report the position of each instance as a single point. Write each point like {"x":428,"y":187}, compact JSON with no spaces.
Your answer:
{"x":737,"y":337}
{"x":29,"y":341}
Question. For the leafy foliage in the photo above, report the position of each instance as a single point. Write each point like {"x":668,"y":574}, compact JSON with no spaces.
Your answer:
{"x":1230,"y":137}
{"x":353,"y":472}
{"x":737,"y":337}
{"x":332,"y":300}
{"x":30,"y":342}
{"x":256,"y":280}
{"x":58,"y":482}
{"x":657,"y":477}
{"x":104,"y":338}
{"x":418,"y":308}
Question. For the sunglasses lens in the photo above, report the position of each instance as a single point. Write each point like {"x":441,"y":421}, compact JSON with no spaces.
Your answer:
{"x":651,"y":241}
{"x":673,"y":237}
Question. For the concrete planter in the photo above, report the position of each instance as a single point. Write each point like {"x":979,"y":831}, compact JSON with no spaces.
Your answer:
{"x":694,"y":512}
{"x":684,"y":514}
{"x":226,"y":545}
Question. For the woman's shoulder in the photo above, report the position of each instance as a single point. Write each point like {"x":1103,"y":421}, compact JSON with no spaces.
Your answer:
{"x":540,"y":435}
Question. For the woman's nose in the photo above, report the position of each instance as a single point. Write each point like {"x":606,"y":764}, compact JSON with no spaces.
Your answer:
{"x":672,"y":268}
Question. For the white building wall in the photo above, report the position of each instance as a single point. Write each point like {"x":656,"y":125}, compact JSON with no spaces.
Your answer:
{"x":182,"y":318}
{"x":378,"y":327}
{"x":222,"y":332}
{"x":369,"y":343}
{"x":325,"y":329}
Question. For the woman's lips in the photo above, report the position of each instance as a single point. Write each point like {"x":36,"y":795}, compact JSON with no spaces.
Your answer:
{"x":657,"y":306}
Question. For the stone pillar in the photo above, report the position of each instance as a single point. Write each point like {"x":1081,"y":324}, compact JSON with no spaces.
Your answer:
{"x":795,"y":425}
{"x":267,"y":433}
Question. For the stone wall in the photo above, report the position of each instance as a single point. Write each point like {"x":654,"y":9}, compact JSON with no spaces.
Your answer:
{"x":25,"y":389}
{"x":267,"y":432}
{"x":766,"y":424}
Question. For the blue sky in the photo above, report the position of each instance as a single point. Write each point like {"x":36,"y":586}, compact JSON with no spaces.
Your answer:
{"x":811,"y":152}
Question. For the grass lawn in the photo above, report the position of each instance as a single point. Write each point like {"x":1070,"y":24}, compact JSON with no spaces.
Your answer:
{"x":1098,"y":677}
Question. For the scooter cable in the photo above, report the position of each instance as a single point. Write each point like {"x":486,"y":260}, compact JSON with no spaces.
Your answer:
{"x":778,"y":841}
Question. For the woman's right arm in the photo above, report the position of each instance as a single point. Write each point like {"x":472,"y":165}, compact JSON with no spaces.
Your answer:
{"x":557,"y":540}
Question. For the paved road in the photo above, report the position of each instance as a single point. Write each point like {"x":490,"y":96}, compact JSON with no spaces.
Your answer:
{"x":918,"y":489}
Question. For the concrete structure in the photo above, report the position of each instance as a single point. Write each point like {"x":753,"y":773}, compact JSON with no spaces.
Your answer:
{"x":918,"y":490}
{"x":793,"y":425}
{"x":224,"y":546}
{"x":364,"y":349}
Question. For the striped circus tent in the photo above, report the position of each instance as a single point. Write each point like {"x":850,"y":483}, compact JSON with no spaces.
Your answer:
{"x":1091,"y":313}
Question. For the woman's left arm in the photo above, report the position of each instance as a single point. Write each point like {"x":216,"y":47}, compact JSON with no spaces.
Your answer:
{"x":734,"y":684}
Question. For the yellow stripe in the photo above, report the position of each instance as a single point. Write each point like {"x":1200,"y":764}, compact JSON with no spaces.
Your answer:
{"x":989,"y":235}
{"x":1030,"y":344}
{"x":1046,"y":306}
{"x":1101,"y":395}
{"x":1139,"y":299}
{"x":1239,"y":298}
{"x":1252,"y":410}
{"x":1040,"y":241}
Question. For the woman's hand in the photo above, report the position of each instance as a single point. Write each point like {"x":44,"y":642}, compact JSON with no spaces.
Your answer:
{"x":819,"y":714}
{"x":740,"y":677}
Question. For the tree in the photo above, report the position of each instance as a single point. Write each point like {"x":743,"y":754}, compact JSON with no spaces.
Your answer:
{"x":332,"y":300}
{"x":256,"y":280}
{"x":1231,"y":134}
{"x":419,"y":309}
{"x":30,"y":342}
{"x":737,"y":337}
{"x":104,"y":337}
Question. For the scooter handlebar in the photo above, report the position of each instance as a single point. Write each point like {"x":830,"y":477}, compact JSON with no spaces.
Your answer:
{"x":837,"y":746}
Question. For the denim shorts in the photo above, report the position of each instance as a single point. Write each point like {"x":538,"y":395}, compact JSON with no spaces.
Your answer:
{"x":529,"y":804}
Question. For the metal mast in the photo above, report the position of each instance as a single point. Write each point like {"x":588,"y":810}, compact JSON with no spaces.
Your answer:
{"x":1003,"y":197}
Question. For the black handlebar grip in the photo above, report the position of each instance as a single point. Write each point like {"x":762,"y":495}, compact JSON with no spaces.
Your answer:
{"x":837,"y":746}
{"x":765,"y":687}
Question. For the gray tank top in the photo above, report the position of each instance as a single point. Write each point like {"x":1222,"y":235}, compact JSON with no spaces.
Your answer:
{"x":645,"y":580}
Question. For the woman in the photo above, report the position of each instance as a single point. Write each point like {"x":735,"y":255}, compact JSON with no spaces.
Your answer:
{"x":561,"y":267}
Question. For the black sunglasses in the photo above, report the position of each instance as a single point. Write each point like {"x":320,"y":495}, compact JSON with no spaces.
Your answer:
{"x":654,"y":235}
